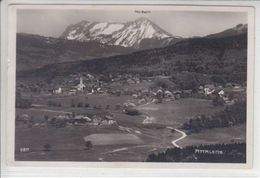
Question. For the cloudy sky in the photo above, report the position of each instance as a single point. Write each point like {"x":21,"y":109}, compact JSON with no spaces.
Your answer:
{"x":179,"y":23}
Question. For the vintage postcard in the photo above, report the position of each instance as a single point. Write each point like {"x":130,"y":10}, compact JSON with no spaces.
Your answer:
{"x":126,"y":84}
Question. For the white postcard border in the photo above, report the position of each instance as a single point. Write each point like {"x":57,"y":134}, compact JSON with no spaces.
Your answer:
{"x":7,"y":91}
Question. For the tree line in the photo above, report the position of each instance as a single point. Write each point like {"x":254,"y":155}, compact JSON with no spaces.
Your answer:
{"x":231,"y":115}
{"x":230,"y":153}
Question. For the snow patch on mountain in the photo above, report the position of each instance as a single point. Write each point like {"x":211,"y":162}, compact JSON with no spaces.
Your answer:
{"x":98,"y":27}
{"x":129,"y":34}
{"x":112,"y":28}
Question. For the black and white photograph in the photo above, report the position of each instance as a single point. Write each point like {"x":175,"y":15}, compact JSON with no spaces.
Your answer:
{"x":132,"y":85}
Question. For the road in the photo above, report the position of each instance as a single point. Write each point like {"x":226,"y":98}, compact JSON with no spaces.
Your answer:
{"x":183,"y":135}
{"x":50,"y":110}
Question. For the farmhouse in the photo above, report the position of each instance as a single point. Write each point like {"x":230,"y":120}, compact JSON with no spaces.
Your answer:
{"x":209,"y":89}
{"x":57,"y":91}
{"x":168,"y":94}
{"x":177,"y":94}
{"x":221,"y":93}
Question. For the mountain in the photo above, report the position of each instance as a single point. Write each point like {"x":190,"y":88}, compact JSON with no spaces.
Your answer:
{"x":237,"y":30}
{"x":216,"y":58}
{"x":34,"y":51}
{"x":129,"y":34}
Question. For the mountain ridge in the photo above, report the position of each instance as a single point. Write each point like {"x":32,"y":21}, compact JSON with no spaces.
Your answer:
{"x":128,"y":34}
{"x":224,"y":56}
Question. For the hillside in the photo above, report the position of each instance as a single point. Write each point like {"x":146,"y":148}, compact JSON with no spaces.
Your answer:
{"x":34,"y":51}
{"x":222,"y":56}
{"x":237,"y":30}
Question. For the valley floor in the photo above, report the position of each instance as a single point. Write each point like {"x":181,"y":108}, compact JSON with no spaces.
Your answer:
{"x":139,"y":140}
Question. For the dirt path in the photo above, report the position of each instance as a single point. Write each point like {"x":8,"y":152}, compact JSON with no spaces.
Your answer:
{"x":150,"y":119}
{"x":50,"y":110}
{"x":183,"y":135}
{"x":126,"y":148}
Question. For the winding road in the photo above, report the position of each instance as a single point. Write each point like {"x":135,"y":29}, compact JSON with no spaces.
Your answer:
{"x":178,"y":139}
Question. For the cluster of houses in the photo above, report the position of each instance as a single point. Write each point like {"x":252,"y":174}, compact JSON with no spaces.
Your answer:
{"x":72,"y":90}
{"x":145,"y":95}
{"x":221,"y":92}
{"x":96,"y":85}
{"x":70,"y":120}
{"x":208,"y":91}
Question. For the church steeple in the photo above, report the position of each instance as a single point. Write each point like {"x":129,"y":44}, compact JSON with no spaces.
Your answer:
{"x":81,"y":80}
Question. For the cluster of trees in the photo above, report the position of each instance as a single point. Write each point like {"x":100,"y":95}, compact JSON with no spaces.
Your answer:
{"x":21,"y":102}
{"x":79,"y":104}
{"x":231,"y":115}
{"x":54,"y":104}
{"x":230,"y":153}
{"x":132,"y":111}
{"x":88,"y":146}
{"x":163,"y":83}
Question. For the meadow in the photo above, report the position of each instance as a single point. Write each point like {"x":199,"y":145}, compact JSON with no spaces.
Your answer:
{"x":129,"y":140}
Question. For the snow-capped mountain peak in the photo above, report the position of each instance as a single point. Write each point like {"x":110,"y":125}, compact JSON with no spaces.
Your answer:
{"x":129,"y":34}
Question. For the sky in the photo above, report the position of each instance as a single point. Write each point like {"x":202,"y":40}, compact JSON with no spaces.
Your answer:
{"x":51,"y":23}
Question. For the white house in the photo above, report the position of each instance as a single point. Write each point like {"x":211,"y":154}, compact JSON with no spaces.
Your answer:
{"x":221,"y":93}
{"x":57,"y":91}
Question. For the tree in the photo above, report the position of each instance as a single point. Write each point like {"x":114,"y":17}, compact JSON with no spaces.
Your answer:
{"x":88,"y":145}
{"x":46,"y":118}
{"x":22,"y":103}
{"x":218,"y":79}
{"x":80,"y":104}
{"x":218,"y":101}
{"x":132,"y":111}
{"x":47,"y":147}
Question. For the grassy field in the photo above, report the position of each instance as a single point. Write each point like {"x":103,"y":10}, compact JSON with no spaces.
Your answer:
{"x":93,"y":99}
{"x":113,"y":139}
{"x":130,"y":140}
{"x":177,"y":112}
{"x":68,"y":143}
{"x":217,"y":135}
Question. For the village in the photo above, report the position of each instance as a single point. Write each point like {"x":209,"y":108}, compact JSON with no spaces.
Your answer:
{"x":138,"y":92}
{"x":96,"y":107}
{"x":144,"y":90}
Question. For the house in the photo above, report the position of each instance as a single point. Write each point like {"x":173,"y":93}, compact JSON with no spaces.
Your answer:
{"x":57,"y":91}
{"x":135,"y":96}
{"x":229,"y":85}
{"x":209,"y":89}
{"x":168,"y":94}
{"x":90,"y":76}
{"x":177,"y":94}
{"x":142,"y":101}
{"x":24,"y":118}
{"x":80,"y":119}
{"x":237,"y":88}
{"x":111,"y":122}
{"x":96,"y":119}
{"x":130,"y":81}
{"x":201,"y":90}
{"x":221,"y":93}
{"x":159,"y":93}
{"x":72,"y":92}
{"x":129,"y":104}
